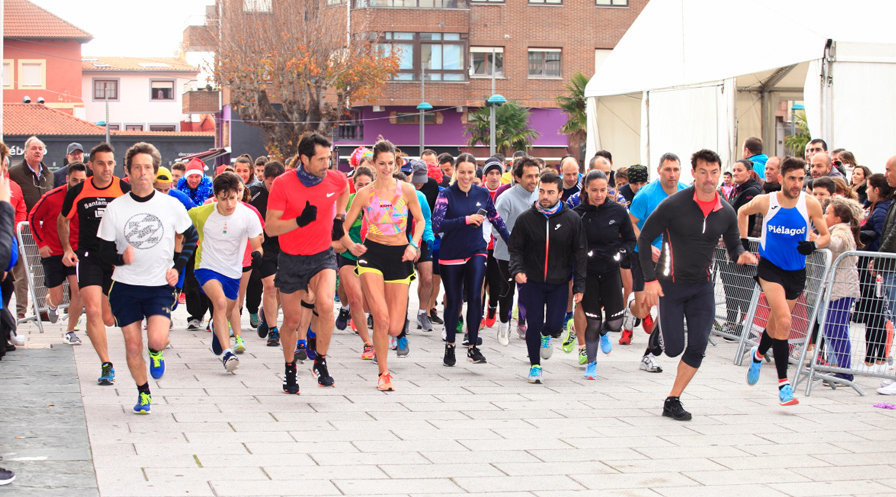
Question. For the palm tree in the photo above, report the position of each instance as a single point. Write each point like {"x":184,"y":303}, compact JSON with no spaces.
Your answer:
{"x":512,"y":131}
{"x":574,"y":107}
{"x":796,"y":143}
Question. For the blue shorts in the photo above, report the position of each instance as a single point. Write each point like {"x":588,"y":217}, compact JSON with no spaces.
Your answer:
{"x":132,"y":303}
{"x":231,"y":286}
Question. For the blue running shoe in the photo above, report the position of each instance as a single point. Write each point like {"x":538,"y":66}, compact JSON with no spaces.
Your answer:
{"x":300,"y":354}
{"x":342,"y":319}
{"x":785,"y":395}
{"x":311,"y":348}
{"x":535,"y":374}
{"x":156,"y":364}
{"x":143,"y":402}
{"x":605,"y":345}
{"x":591,"y":371}
{"x":230,"y":361}
{"x":216,"y":344}
{"x":107,"y":375}
{"x":753,"y":370}
{"x":547,"y":350}
{"x":403,"y":349}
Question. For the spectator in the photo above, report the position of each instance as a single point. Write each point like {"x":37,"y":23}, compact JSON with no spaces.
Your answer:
{"x":753,"y":153}
{"x":859,"y":183}
{"x":73,"y":153}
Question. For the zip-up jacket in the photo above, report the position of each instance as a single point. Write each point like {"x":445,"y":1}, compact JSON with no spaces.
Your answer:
{"x":42,"y":221}
{"x":549,"y":249}
{"x":463,"y":240}
{"x":510,"y":204}
{"x":608,"y":232}
{"x":689,"y":238}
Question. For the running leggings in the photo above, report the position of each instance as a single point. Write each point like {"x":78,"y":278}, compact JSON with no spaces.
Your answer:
{"x":494,"y":280}
{"x":536,"y":297}
{"x":694,"y":302}
{"x":603,"y":308}
{"x":836,"y":331}
{"x":463,"y":282}
{"x":506,"y":300}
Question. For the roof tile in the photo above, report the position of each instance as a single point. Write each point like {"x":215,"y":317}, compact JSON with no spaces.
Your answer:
{"x":38,"y":119}
{"x":23,"y":19}
{"x":142,"y":64}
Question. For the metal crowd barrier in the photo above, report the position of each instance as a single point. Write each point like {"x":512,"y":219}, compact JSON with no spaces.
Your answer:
{"x":863,"y":348}
{"x":35,"y":272}
{"x":735,"y":293}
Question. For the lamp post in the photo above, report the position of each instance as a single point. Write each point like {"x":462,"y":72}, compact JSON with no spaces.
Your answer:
{"x":492,"y":103}
{"x":422,"y":108}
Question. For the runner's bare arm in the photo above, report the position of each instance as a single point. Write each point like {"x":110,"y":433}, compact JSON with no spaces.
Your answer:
{"x":759,"y":205}
{"x":816,"y":216}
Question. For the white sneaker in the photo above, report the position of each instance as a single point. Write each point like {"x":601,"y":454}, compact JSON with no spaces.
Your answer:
{"x":71,"y":338}
{"x":17,"y":340}
{"x":887,"y":390}
{"x":504,"y":333}
{"x":628,"y":319}
{"x":649,"y":364}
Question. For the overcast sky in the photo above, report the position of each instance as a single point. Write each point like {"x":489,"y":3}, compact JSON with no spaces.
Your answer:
{"x":130,"y":28}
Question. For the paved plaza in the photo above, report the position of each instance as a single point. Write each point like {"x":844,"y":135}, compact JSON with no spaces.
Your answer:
{"x":467,"y":430}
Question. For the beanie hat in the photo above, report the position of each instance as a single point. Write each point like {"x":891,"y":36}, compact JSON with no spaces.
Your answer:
{"x":637,"y":174}
{"x":492,"y":163}
{"x":195,"y":166}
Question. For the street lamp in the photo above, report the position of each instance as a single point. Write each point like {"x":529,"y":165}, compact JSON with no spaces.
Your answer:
{"x":492,"y":103}
{"x":422,"y":108}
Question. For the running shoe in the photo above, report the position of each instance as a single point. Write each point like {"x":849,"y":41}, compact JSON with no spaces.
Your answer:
{"x":424,"y":322}
{"x":591,"y":371}
{"x":194,"y":325}
{"x":583,"y":356}
{"x":475,"y":356}
{"x":547,"y":349}
{"x":311,"y":346}
{"x":629,"y":319}
{"x":290,"y":384}
{"x":107,"y":374}
{"x":753,"y":370}
{"x":672,"y":408}
{"x":144,"y":401}
{"x":156,"y":364}
{"x":71,"y":338}
{"x":434,"y":316}
{"x":889,"y":389}
{"x":649,"y":364}
{"x":490,"y":317}
{"x":504,"y":333}
{"x":216,"y":344}
{"x":230,"y":361}
{"x":273,"y":337}
{"x":460,"y":325}
{"x":262,"y":327}
{"x":466,"y":342}
{"x":17,"y":339}
{"x":181,"y":298}
{"x":368,"y":354}
{"x":52,"y":314}
{"x":535,"y":374}
{"x":648,"y":324}
{"x":6,"y":476}
{"x":605,"y":345}
{"x":370,"y":321}
{"x":300,"y":353}
{"x":319,"y":369}
{"x":655,"y":343}
{"x":566,"y":319}
{"x":253,"y":319}
{"x":521,"y":330}
{"x":384,"y":382}
{"x":626,"y":338}
{"x":239,"y":346}
{"x":569,"y":339}
{"x":402,"y":350}
{"x":393,"y":343}
{"x":785,"y":395}
{"x":342,"y":319}
{"x":449,"y":359}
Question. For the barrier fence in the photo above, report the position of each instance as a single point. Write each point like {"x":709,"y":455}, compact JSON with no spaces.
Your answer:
{"x":35,"y":272}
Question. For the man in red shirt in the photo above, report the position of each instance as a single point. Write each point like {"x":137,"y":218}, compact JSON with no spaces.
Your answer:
{"x":42,"y":220}
{"x":306,"y":208}
{"x":19,"y":276}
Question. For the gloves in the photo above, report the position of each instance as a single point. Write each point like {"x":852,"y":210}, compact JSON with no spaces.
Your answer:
{"x":745,"y":243}
{"x":805,"y":247}
{"x":309,"y":214}
{"x":256,"y":259}
{"x":338,"y":229}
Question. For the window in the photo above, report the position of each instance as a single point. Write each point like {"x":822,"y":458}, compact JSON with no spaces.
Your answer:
{"x":440,"y":56}
{"x":162,"y":127}
{"x":32,"y":74}
{"x":413,"y":117}
{"x":415,"y":4}
{"x":551,"y":2}
{"x":487,"y":1}
{"x":544,"y":62}
{"x":105,"y":89}
{"x":133,"y":127}
{"x":482,"y":61}
{"x":8,"y":78}
{"x":258,"y":6}
{"x":611,"y":3}
{"x":161,"y":90}
{"x":352,"y":128}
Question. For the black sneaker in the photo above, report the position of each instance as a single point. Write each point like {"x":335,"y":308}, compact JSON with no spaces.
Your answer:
{"x":673,"y":409}
{"x":342,"y":319}
{"x":300,"y":353}
{"x":475,"y":356}
{"x":273,"y":337}
{"x":320,"y":370}
{"x":290,"y":385}
{"x":655,"y":343}
{"x":434,"y":316}
{"x":262,"y":326}
{"x":449,"y":359}
{"x":370,"y":321}
{"x":6,"y":476}
{"x":466,"y":342}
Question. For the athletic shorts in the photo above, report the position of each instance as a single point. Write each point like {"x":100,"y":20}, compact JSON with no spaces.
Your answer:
{"x":603,"y":291}
{"x":231,"y":286}
{"x":55,"y":272}
{"x":342,"y":261}
{"x":268,"y":265}
{"x":686,"y":303}
{"x":296,"y":271}
{"x":793,"y":281}
{"x":92,"y":272}
{"x":385,"y":260}
{"x":132,"y":303}
{"x":637,"y":275}
{"x":425,"y":253}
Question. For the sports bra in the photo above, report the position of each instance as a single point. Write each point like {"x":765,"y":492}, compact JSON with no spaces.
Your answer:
{"x":387,"y":217}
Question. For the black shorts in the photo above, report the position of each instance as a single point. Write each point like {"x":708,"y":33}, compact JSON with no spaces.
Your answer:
{"x":92,"y":272}
{"x":132,"y":303}
{"x":55,"y":272}
{"x":385,"y":260}
{"x":793,"y":281}
{"x":603,"y":291}
{"x":295,"y":271}
{"x":637,"y":275}
{"x":342,"y":261}
{"x":425,"y":253}
{"x":268,"y":265}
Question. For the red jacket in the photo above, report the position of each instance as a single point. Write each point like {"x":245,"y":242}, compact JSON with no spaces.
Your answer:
{"x":18,"y":201}
{"x":43,"y":221}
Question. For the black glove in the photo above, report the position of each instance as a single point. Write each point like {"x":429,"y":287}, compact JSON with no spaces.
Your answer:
{"x":805,"y":247}
{"x":745,"y":243}
{"x":338,"y":229}
{"x":308,"y":214}
{"x":256,"y":259}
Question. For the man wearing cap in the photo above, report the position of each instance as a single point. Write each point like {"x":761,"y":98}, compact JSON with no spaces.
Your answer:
{"x":637,"y":177}
{"x":162,"y":184}
{"x":195,"y":183}
{"x":73,"y":153}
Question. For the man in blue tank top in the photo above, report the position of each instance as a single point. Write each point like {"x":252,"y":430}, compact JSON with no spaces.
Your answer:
{"x":788,"y":216}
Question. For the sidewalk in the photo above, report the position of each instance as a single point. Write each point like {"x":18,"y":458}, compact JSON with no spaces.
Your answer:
{"x":467,"y":430}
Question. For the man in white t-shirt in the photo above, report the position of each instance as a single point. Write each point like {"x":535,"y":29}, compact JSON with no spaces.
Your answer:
{"x":224,"y":227}
{"x":140,"y":234}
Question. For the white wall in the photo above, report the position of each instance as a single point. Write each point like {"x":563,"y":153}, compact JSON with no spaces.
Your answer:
{"x":134,"y":105}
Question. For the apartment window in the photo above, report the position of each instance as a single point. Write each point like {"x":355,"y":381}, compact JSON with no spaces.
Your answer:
{"x":105,"y":89}
{"x":414,"y":4}
{"x":258,"y":6}
{"x":483,"y":63}
{"x":8,"y":77}
{"x":161,"y":90}
{"x":544,"y":63}
{"x":413,"y":117}
{"x":440,"y":56}
{"x":551,"y":2}
{"x":133,"y":127}
{"x":611,"y":3}
{"x":32,"y":74}
{"x":487,"y":1}
{"x":162,"y":127}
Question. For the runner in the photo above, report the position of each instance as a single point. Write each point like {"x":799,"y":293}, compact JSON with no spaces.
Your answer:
{"x":139,"y":234}
{"x":88,"y":201}
{"x":787,"y":216}
{"x":692,"y":221}
{"x":270,"y":296}
{"x":460,"y":211}
{"x":494,"y":283}
{"x":306,"y":210}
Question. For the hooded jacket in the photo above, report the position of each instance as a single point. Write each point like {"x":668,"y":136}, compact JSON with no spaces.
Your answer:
{"x":549,"y":249}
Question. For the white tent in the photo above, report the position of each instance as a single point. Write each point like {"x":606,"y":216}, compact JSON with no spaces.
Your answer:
{"x":691,"y":74}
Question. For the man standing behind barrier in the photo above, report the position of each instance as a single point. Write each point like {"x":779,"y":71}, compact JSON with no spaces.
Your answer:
{"x":888,"y":244}
{"x":692,"y":220}
{"x":783,"y":247}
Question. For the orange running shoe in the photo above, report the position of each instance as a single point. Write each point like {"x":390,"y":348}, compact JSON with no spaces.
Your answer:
{"x":369,"y":354}
{"x":384,"y":382}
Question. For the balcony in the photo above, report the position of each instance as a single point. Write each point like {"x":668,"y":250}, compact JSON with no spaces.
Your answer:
{"x":413,"y":4}
{"x":201,"y":102}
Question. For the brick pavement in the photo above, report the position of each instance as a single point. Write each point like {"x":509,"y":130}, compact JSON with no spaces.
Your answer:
{"x":467,"y":430}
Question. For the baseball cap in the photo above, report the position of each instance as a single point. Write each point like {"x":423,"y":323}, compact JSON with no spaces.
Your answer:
{"x":420,"y":169}
{"x":74,"y":146}
{"x":164,"y":175}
